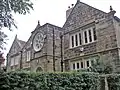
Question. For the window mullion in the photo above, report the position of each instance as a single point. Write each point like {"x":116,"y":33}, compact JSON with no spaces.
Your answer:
{"x":74,"y":40}
{"x":83,"y":37}
{"x":92,"y":34}
{"x":90,"y":63}
{"x":78,"y":39}
{"x":71,"y":41}
{"x":87,"y":36}
{"x":85,"y":65}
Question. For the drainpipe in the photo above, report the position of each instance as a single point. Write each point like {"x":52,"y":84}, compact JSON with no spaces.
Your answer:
{"x":53,"y":50}
{"x":21,"y":52}
{"x":61,"y":39}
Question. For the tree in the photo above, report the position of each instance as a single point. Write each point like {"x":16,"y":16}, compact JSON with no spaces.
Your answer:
{"x":100,"y":67}
{"x":2,"y":59}
{"x":7,"y":9}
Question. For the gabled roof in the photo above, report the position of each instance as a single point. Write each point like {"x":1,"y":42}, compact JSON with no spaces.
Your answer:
{"x":20,"y":43}
{"x":38,"y":27}
{"x":81,"y":3}
{"x":116,"y":18}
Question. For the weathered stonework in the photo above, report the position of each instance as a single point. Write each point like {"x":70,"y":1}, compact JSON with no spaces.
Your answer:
{"x":81,"y":17}
{"x":42,"y":60}
{"x":14,"y":55}
{"x":105,"y":47}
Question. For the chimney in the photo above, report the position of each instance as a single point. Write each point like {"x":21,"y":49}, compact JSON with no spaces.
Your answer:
{"x":69,"y":10}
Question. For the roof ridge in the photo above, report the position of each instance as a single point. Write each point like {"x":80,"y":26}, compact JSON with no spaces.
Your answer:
{"x":78,"y":1}
{"x":93,"y":7}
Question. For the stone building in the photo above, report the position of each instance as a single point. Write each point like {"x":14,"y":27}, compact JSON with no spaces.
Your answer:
{"x":90,"y":35}
{"x":37,"y":53}
{"x":14,"y":54}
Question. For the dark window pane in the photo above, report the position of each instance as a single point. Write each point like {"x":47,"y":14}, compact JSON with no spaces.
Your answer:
{"x":94,"y":34}
{"x":90,"y":36}
{"x":73,"y":65}
{"x":72,"y":41}
{"x":85,"y":34}
{"x":81,"y":64}
{"x":87,"y":63}
{"x":80,"y":40}
{"x":76,"y":40}
{"x":77,"y":65}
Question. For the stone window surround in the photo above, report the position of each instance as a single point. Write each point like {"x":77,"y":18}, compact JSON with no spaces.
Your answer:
{"x":84,"y":64}
{"x":82,"y":37}
{"x":28,"y":55}
{"x":14,"y":60}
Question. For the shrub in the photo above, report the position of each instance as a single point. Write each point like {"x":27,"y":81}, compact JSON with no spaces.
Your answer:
{"x":49,"y":81}
{"x":113,"y":81}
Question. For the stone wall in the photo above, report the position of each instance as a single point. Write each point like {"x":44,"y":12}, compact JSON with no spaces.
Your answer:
{"x":84,"y":16}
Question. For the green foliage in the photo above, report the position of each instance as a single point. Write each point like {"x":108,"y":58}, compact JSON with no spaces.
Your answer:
{"x":16,"y":6}
{"x":7,"y":9}
{"x":113,"y":81}
{"x":101,"y":67}
{"x":48,"y":81}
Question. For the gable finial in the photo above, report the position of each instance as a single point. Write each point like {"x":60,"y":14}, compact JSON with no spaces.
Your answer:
{"x":111,"y":9}
{"x":112,"y":12}
{"x":68,"y":7}
{"x":16,"y":36}
{"x":38,"y":22}
{"x":72,"y":5}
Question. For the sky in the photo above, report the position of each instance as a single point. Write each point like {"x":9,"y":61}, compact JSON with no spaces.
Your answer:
{"x":51,"y":11}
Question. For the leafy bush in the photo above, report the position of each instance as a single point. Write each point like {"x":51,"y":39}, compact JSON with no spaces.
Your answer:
{"x":113,"y":81}
{"x":49,"y":81}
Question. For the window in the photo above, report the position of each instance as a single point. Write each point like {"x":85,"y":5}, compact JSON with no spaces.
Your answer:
{"x":94,"y":34}
{"x":85,"y":36}
{"x":78,"y":66}
{"x":76,"y":40}
{"x":17,"y":58}
{"x":28,"y":55}
{"x":72,"y":41}
{"x":12,"y":62}
{"x":90,"y":36}
{"x":73,"y":66}
{"x":87,"y":62}
{"x":81,"y":64}
{"x":80,"y":39}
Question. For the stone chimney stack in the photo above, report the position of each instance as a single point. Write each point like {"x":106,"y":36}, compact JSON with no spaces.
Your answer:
{"x":69,"y":10}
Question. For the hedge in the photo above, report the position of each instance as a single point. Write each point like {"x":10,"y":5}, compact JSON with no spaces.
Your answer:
{"x":49,"y":81}
{"x":113,"y":81}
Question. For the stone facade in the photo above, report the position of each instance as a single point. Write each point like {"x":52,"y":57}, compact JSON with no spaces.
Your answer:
{"x":106,"y":46}
{"x":41,"y":60}
{"x":90,"y":35}
{"x":14,"y":54}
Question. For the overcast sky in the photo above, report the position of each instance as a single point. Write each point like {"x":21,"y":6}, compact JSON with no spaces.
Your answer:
{"x":54,"y":12}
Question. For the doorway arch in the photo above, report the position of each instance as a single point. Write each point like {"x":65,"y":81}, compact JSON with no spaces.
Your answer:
{"x":39,"y":69}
